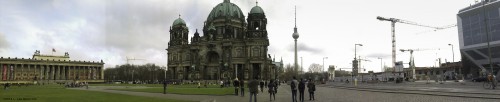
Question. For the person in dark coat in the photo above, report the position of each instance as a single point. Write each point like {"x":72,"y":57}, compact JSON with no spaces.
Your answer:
{"x":164,"y":87}
{"x":253,"y":87}
{"x":311,"y":88}
{"x":236,"y":85}
{"x":293,"y":86}
{"x":242,"y":87}
{"x":302,"y":87}
{"x":272,"y":90}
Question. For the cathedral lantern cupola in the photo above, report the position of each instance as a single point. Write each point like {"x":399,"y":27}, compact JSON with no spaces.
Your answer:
{"x":178,"y":33}
{"x":257,"y":22}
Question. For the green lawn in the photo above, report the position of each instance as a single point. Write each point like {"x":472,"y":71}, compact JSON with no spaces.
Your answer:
{"x":158,"y":85}
{"x":190,"y":91}
{"x":56,"y":93}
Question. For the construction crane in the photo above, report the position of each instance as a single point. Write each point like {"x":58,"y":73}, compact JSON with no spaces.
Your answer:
{"x":412,"y":60}
{"x":393,"y":24}
{"x":130,"y":59}
{"x":441,"y":28}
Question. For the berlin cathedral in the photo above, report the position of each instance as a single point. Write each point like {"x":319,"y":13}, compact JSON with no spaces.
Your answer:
{"x":231,"y":47}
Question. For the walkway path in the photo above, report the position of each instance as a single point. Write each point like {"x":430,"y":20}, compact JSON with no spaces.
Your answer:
{"x":283,"y":95}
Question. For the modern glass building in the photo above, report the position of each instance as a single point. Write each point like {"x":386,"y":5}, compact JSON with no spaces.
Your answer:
{"x":476,"y":24}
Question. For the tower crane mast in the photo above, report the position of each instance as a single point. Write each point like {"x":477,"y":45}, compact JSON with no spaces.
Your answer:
{"x":393,"y":35}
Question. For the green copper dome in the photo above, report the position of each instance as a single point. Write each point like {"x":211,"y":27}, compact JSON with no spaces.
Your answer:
{"x":179,"y":21}
{"x":226,"y":9}
{"x":256,"y":9}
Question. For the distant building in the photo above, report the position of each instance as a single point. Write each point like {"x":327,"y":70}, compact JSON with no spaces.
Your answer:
{"x":49,"y":68}
{"x":331,"y":72}
{"x":473,"y":39}
{"x":231,"y":46}
{"x":448,"y":71}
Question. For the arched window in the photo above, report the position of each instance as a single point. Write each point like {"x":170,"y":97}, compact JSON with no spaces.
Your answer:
{"x":256,"y":25}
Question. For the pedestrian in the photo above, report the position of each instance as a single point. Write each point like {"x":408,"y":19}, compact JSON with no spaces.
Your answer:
{"x":311,"y":88}
{"x":492,"y":79}
{"x":302,"y":87}
{"x":253,"y":87}
{"x":265,"y":84}
{"x":293,"y":86}
{"x":242,"y":87}
{"x":236,"y":85}
{"x":262,"y":86}
{"x":5,"y":86}
{"x":221,"y":84}
{"x":199,"y":84}
{"x":165,"y":87}
{"x":272,"y":91}
{"x":276,"y":83}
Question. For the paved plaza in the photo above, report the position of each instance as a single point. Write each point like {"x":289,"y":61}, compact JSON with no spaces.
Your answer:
{"x":341,"y":92}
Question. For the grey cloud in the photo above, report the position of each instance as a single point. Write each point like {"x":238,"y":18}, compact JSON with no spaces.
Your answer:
{"x":305,"y":48}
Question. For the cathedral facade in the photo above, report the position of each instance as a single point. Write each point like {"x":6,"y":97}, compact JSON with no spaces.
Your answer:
{"x":231,"y":46}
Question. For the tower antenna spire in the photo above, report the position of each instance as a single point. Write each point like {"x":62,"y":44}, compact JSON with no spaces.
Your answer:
{"x":295,"y":16}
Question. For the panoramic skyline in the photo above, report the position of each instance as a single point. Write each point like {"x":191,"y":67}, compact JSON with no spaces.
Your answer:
{"x":115,"y":29}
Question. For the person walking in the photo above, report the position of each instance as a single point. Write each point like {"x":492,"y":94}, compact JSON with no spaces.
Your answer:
{"x":253,"y":87}
{"x":262,"y":86}
{"x":311,"y":88}
{"x":236,"y":85}
{"x":221,"y":84}
{"x":272,"y":90}
{"x":492,"y":79}
{"x":242,"y":87}
{"x":165,"y":87}
{"x":293,"y":86}
{"x":302,"y":87}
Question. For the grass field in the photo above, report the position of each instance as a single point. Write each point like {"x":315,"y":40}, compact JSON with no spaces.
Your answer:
{"x":188,"y":91}
{"x":56,"y":93}
{"x":158,"y":85}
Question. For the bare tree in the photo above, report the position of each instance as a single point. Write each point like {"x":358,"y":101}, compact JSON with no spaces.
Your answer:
{"x":315,"y":68}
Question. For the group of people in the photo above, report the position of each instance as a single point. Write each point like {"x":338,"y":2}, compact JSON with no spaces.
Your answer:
{"x":272,"y":86}
{"x":301,"y":87}
{"x":254,"y":84}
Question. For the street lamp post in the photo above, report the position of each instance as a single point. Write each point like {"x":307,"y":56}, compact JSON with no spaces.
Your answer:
{"x":165,"y":77}
{"x":323,"y":66}
{"x":356,"y":67}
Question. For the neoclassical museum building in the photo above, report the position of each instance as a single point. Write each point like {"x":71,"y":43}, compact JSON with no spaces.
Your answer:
{"x":231,"y":46}
{"x":49,"y":69}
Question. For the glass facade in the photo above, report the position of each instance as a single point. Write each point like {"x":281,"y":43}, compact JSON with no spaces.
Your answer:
{"x":473,"y":25}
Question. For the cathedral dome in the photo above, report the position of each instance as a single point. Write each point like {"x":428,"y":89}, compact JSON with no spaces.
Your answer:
{"x":179,"y":21}
{"x":256,"y":9}
{"x":226,"y":9}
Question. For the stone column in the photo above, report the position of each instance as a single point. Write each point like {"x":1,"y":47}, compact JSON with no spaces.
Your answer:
{"x":13,"y":71}
{"x":89,"y":73}
{"x":65,"y":77}
{"x":69,"y":73}
{"x":102,"y":72}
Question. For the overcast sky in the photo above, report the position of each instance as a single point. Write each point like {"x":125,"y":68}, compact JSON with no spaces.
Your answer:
{"x":111,"y":30}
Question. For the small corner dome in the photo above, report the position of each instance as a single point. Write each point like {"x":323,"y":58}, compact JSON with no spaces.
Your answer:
{"x":179,"y":21}
{"x":256,"y":9}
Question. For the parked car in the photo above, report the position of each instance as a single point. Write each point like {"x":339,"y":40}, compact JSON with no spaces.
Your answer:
{"x":479,"y":79}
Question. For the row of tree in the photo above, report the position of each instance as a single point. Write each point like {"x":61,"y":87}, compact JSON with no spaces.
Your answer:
{"x":149,"y":73}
